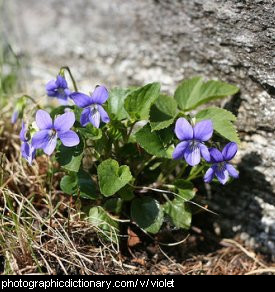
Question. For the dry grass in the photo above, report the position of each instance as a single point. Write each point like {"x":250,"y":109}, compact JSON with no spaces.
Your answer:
{"x":43,"y":232}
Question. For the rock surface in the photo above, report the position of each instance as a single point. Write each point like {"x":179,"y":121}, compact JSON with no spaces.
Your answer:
{"x":126,"y":42}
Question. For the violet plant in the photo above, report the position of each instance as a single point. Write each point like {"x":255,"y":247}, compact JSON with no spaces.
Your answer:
{"x":135,"y":153}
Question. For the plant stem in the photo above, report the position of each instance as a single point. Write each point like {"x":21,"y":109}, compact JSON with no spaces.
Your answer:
{"x":71,"y":76}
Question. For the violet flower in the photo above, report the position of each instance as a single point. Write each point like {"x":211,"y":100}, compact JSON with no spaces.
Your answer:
{"x":221,"y":168}
{"x":50,"y":130}
{"x":191,"y":147}
{"x":58,"y":88}
{"x":27,"y":150}
{"x":14,"y":116}
{"x":93,"y":111}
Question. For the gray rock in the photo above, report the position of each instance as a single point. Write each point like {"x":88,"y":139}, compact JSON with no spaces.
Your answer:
{"x":127,"y":42}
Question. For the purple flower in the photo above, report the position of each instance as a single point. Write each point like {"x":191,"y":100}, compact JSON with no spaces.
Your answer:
{"x":191,"y":146}
{"x":93,"y":110}
{"x":27,"y":150}
{"x":50,"y":130}
{"x":221,"y":168}
{"x":58,"y":88}
{"x":14,"y":116}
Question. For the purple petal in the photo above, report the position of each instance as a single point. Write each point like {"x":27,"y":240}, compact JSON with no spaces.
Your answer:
{"x":203,"y":130}
{"x":22,"y":134}
{"x":229,"y":151}
{"x":52,"y":93}
{"x":192,"y":155}
{"x":63,"y":123}
{"x":179,"y":150}
{"x":215,"y":155}
{"x":28,"y":152}
{"x":43,"y":120}
{"x":51,"y":86}
{"x":62,"y":100}
{"x":61,"y":82}
{"x":204,"y":152}
{"x":103,"y":114}
{"x":14,"y":116}
{"x":222,"y":176}
{"x":95,"y":117}
{"x":209,"y":175}
{"x":100,"y":95}
{"x":85,"y":117}
{"x":69,"y":138}
{"x":81,"y":99}
{"x":40,"y":139}
{"x":50,"y":146}
{"x":25,"y":150}
{"x":232,"y":171}
{"x":183,"y":129}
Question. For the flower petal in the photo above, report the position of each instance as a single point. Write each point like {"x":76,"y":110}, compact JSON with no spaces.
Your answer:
{"x":62,"y":100}
{"x":61,"y":82}
{"x":50,"y":146}
{"x":232,"y":171}
{"x":28,"y":152}
{"x":81,"y":99}
{"x":229,"y":151}
{"x":209,"y":175}
{"x":69,"y":138}
{"x":14,"y":116}
{"x":179,"y":150}
{"x":64,"y":122}
{"x":52,"y":93}
{"x":103,"y":114}
{"x":40,"y":138}
{"x":85,"y":117}
{"x":203,"y":130}
{"x":215,"y":155}
{"x":204,"y":152}
{"x":183,"y":129}
{"x":25,"y":150}
{"x":95,"y":117}
{"x":222,"y":176}
{"x":192,"y":155}
{"x":22,"y":134}
{"x":51,"y":86}
{"x":100,"y":95}
{"x":43,"y":120}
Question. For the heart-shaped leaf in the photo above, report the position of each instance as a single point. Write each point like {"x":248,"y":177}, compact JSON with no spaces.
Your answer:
{"x":139,"y":101}
{"x":112,"y":177}
{"x":147,"y":213}
{"x":179,"y":212}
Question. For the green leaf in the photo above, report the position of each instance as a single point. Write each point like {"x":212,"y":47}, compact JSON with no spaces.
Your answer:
{"x":112,"y":177}
{"x":163,"y":112}
{"x":147,"y":213}
{"x":126,"y":193}
{"x":116,"y":103}
{"x":81,"y":182}
{"x":59,"y":110}
{"x":155,"y":143}
{"x":185,"y":189}
{"x":114,"y":205}
{"x":100,"y":218}
{"x":139,"y":101}
{"x":86,"y":186}
{"x":179,"y":213}
{"x":90,"y":132}
{"x":68,"y":184}
{"x":222,"y":122}
{"x":70,"y":157}
{"x":194,"y":92}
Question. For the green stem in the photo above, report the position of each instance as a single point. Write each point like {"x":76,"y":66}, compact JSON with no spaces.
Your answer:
{"x":71,"y":76}
{"x":196,"y":172}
